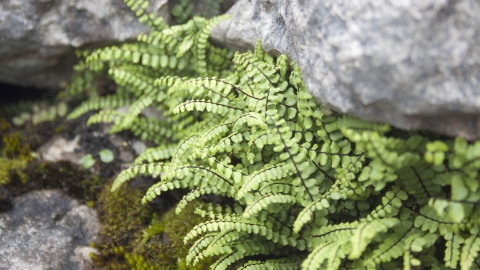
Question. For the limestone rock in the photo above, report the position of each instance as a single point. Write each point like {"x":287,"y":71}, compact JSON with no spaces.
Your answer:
{"x":413,"y":64}
{"x":38,"y":38}
{"x":47,"y":230}
{"x":58,"y":148}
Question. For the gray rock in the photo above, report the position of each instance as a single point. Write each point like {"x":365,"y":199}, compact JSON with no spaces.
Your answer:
{"x":38,"y":38}
{"x":47,"y":230}
{"x":139,"y":147}
{"x":413,"y":64}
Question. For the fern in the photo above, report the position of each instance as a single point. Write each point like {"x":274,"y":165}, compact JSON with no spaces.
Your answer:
{"x":312,"y":189}
{"x":470,"y":250}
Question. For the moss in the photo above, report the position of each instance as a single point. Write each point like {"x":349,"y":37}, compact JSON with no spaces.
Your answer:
{"x":36,"y":175}
{"x":4,"y":125}
{"x":171,"y":248}
{"x":135,"y":236}
{"x":21,"y":141}
{"x":123,"y":218}
{"x":14,"y":146}
{"x":9,"y":167}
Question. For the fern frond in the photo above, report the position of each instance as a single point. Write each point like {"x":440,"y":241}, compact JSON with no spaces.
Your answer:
{"x":130,"y":116}
{"x":271,"y":173}
{"x":201,"y":45}
{"x":149,"y":129}
{"x":317,"y":257}
{"x":166,"y":185}
{"x":366,"y":231}
{"x":180,"y":177}
{"x":105,"y":116}
{"x":207,"y":105}
{"x":470,"y":249}
{"x":391,"y":203}
{"x":196,"y":193}
{"x":183,"y":147}
{"x":199,"y":245}
{"x":226,"y":260}
{"x":273,"y":264}
{"x":452,"y":250}
{"x":307,"y":213}
{"x":392,"y":247}
{"x":428,"y":220}
{"x":139,"y":7}
{"x":267,"y":200}
{"x":155,"y":154}
{"x":141,"y":84}
{"x":240,"y":225}
{"x":111,"y":101}
{"x":152,"y":169}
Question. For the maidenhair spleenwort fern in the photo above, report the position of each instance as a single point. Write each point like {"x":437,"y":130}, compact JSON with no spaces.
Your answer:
{"x":312,"y":189}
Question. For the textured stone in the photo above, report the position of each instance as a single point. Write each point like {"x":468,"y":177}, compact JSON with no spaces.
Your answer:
{"x":47,"y":230}
{"x":38,"y":37}
{"x":413,"y":64}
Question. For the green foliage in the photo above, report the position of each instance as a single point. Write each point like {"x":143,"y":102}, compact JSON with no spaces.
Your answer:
{"x":311,"y":189}
{"x":106,"y":155}
{"x":180,"y":50}
{"x":35,"y":112}
{"x":87,"y":161}
{"x":183,"y":10}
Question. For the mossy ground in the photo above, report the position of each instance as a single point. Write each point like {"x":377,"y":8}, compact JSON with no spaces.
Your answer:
{"x":132,"y":236}
{"x":20,"y":172}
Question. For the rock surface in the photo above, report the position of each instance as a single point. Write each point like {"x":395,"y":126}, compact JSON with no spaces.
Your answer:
{"x":38,"y":38}
{"x":413,"y":64}
{"x":47,"y":230}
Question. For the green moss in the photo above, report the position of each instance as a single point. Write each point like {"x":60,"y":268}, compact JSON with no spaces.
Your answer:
{"x":24,"y":177}
{"x":137,"y":237}
{"x":123,"y":220}
{"x":173,"y":250}
{"x":7,"y":166}
{"x":14,"y":145}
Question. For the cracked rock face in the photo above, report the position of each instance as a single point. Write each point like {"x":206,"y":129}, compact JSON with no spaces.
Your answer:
{"x":413,"y":64}
{"x":47,"y":230}
{"x":38,"y":38}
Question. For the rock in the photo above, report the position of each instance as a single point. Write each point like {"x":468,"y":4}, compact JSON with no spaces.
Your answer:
{"x":413,"y":64}
{"x":58,"y":148}
{"x":126,"y":157}
{"x":47,"y":230}
{"x":139,"y":147}
{"x":82,"y":256}
{"x":39,"y":38}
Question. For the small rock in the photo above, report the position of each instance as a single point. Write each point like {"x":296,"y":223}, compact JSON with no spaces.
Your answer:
{"x":116,"y":141}
{"x":47,"y":230}
{"x":82,"y":256}
{"x":139,"y":147}
{"x":57,"y":148}
{"x":126,"y":156}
